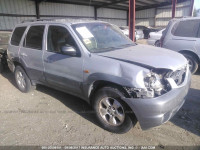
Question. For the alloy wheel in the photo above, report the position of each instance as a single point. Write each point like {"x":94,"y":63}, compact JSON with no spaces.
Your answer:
{"x":21,"y":79}
{"x":111,"y":111}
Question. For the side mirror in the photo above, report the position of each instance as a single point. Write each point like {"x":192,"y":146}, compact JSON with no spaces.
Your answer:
{"x":68,"y":50}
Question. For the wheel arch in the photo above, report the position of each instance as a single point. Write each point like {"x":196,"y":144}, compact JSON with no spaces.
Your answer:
{"x":190,"y":53}
{"x":17,"y":63}
{"x":96,"y":85}
{"x":101,"y":83}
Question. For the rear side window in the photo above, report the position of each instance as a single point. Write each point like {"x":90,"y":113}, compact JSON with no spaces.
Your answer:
{"x":17,"y":35}
{"x":187,"y":28}
{"x":34,"y":37}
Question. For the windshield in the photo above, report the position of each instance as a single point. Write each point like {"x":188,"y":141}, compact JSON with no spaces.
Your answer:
{"x":101,"y":37}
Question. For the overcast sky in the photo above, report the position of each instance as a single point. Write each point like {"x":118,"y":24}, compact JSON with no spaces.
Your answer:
{"x":197,"y":4}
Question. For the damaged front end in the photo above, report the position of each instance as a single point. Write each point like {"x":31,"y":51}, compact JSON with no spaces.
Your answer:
{"x":163,"y":90}
{"x":155,"y":84}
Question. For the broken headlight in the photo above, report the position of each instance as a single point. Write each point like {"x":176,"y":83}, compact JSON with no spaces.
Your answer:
{"x":155,"y":85}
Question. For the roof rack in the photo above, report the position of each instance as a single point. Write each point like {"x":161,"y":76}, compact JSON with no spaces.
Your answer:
{"x":34,"y":20}
{"x":53,"y":19}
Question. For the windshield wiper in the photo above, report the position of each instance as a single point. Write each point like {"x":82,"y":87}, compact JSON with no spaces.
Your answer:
{"x":102,"y":50}
{"x":127,"y":45}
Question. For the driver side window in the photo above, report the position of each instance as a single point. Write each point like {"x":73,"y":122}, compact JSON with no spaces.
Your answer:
{"x":57,"y":37}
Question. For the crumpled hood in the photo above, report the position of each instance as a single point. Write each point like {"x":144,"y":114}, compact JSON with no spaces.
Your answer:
{"x":148,"y":56}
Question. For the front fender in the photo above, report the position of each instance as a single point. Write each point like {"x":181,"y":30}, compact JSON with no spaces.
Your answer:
{"x":101,"y":77}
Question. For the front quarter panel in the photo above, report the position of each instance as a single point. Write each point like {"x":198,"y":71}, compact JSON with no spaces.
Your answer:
{"x":106,"y":69}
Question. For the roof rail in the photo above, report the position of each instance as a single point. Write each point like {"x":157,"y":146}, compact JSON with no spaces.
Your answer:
{"x":33,"y":20}
{"x":51,"y":19}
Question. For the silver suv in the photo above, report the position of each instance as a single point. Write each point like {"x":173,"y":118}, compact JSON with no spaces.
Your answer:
{"x":124,"y":82}
{"x":183,"y":36}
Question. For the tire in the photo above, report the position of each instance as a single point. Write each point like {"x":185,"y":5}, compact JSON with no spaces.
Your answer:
{"x":192,"y":61}
{"x":121,"y":121}
{"x":157,"y":43}
{"x":22,"y":80}
{"x":1,"y":67}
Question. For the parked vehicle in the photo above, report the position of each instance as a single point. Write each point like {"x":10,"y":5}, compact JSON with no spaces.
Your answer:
{"x":3,"y":60}
{"x":154,"y":38}
{"x":125,"y":30}
{"x":146,"y":30}
{"x":123,"y":81}
{"x":4,"y":38}
{"x":183,"y":36}
{"x":138,"y":33}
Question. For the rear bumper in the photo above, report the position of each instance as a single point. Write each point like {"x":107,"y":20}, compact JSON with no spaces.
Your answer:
{"x":156,"y":111}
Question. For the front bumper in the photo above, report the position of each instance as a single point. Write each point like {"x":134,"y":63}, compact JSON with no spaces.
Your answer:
{"x":153,"y":112}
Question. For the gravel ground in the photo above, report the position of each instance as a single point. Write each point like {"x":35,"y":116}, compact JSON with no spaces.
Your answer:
{"x":49,"y":117}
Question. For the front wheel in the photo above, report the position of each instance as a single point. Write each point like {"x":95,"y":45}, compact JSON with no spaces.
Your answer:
{"x":111,"y":111}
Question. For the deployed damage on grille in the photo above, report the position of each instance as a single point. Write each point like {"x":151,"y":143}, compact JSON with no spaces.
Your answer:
{"x":156,"y":83}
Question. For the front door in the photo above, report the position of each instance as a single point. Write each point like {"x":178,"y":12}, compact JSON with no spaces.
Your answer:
{"x":61,"y":70}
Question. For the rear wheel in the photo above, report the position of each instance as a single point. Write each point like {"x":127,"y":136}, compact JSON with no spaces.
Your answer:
{"x":157,"y":43}
{"x":193,"y":62}
{"x":111,"y":111}
{"x":22,"y":80}
{"x":1,"y":67}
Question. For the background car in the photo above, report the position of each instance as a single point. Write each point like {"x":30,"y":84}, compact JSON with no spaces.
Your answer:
{"x":125,"y":30}
{"x":146,"y":30}
{"x":183,"y":35}
{"x":138,"y":33}
{"x":4,"y":38}
{"x":154,"y":38}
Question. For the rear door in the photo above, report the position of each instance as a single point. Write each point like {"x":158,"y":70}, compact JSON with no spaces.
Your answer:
{"x":61,"y":70}
{"x":184,"y":36}
{"x":31,"y":52}
{"x":14,"y":45}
